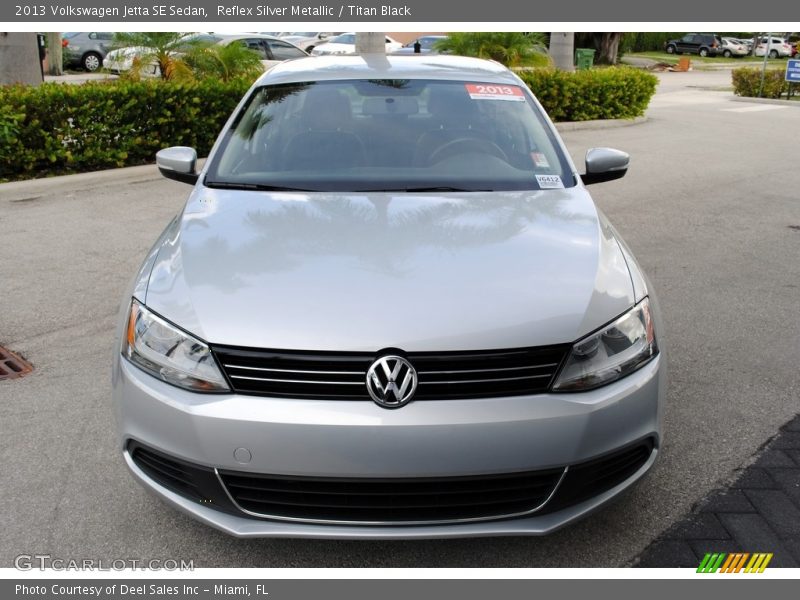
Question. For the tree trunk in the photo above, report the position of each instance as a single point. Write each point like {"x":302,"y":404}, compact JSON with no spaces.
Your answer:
{"x":562,"y":50}
{"x":54,"y":58}
{"x":19,"y":59}
{"x":606,"y":46}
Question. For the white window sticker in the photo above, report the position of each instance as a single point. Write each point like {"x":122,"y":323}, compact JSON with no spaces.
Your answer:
{"x":549,"y":182}
{"x":540,"y":160}
{"x":485,"y":91}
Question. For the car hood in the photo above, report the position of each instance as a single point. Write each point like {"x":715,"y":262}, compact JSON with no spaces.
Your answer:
{"x":364,"y":272}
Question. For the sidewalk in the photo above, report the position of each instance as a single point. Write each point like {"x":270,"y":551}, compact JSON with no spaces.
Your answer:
{"x":758,"y":512}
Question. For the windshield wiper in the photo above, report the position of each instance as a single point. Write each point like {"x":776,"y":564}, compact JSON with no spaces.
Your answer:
{"x":260,"y":187}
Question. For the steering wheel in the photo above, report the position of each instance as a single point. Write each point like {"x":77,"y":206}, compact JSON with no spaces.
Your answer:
{"x":464,"y":145}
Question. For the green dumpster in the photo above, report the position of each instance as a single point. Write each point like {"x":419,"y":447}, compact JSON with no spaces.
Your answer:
{"x":584,"y":58}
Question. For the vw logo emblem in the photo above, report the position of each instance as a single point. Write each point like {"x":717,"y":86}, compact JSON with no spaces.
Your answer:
{"x":391,"y":381}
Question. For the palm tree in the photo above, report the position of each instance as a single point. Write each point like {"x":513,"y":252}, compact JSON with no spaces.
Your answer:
{"x":511,"y":48}
{"x":224,"y":61}
{"x":162,"y":48}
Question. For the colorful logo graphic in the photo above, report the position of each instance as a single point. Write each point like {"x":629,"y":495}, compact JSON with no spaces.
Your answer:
{"x":721,"y":562}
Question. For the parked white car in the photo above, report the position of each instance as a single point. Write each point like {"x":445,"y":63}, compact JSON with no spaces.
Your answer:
{"x":775,"y":47}
{"x":271,"y":49}
{"x":733,"y":47}
{"x":307,"y":40}
{"x":346,"y":44}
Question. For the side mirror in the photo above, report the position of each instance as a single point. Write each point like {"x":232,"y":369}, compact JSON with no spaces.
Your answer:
{"x":605,"y":164}
{"x":178,"y":163}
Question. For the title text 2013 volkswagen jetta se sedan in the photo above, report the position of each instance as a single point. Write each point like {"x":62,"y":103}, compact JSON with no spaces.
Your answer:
{"x":389,"y":308}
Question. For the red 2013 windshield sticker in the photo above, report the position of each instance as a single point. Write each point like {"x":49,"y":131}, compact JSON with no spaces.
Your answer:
{"x":490,"y":91}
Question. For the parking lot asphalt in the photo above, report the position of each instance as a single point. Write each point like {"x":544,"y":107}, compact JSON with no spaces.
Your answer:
{"x":709,"y":206}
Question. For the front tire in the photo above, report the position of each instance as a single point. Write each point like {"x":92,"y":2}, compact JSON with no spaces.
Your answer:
{"x":727,"y":54}
{"x":703,"y":52}
{"x":670,"y":49}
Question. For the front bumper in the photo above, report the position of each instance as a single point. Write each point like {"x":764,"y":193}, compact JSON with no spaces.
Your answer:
{"x":425,"y":439}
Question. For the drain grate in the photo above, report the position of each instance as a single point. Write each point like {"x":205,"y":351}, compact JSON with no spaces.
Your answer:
{"x":12,"y":366}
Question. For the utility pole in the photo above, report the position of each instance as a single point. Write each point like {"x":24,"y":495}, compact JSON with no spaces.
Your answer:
{"x":562,"y":50}
{"x":764,"y":65}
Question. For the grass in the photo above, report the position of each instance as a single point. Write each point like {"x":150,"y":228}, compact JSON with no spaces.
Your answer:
{"x":673,"y":58}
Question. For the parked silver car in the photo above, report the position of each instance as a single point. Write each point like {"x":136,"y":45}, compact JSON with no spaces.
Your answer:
{"x":389,"y":309}
{"x":86,"y":49}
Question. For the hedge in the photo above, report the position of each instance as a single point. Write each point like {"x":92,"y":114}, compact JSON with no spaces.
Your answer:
{"x":612,"y":93}
{"x":747,"y":81}
{"x":56,"y":129}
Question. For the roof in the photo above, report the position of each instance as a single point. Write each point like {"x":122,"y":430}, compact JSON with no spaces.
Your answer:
{"x":380,"y":66}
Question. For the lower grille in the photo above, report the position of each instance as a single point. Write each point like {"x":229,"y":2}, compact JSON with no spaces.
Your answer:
{"x":342,"y":376}
{"x":589,"y":479}
{"x":184,"y":478}
{"x":397,"y":501}
{"x":393,"y":501}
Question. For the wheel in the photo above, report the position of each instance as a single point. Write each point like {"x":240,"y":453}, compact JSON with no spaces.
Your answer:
{"x":92,"y":61}
{"x":703,"y":52}
{"x":727,"y":54}
{"x":465,"y":145}
{"x":773,"y":54}
{"x":670,"y":49}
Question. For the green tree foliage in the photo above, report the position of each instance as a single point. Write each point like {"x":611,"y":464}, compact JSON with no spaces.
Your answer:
{"x":162,"y":48}
{"x":511,"y":48}
{"x":224,"y":62}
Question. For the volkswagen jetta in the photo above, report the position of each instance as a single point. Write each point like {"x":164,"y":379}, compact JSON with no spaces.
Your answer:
{"x":389,"y":308}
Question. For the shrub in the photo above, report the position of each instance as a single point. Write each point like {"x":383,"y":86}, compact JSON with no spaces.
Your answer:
{"x":747,"y":81}
{"x":613,"y":93}
{"x":54,"y":129}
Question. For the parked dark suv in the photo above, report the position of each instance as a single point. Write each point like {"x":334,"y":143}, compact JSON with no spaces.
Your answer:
{"x":704,"y":44}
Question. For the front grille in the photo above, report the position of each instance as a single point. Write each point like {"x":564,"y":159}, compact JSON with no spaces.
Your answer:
{"x":342,"y":376}
{"x":397,"y":501}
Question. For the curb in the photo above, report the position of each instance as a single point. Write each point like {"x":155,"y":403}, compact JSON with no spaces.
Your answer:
{"x":766,"y":101}
{"x":599,"y":124}
{"x":17,"y":190}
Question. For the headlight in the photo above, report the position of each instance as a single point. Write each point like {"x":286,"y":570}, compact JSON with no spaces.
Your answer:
{"x":168,"y":353}
{"x":614,"y":351}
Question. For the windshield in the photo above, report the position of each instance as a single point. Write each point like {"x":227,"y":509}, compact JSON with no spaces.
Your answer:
{"x":389,"y":135}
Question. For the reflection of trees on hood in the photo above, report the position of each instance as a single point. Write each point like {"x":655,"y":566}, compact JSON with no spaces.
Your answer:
{"x":286,"y":234}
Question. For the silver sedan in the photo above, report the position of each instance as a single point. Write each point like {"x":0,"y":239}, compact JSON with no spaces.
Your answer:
{"x":389,"y":309}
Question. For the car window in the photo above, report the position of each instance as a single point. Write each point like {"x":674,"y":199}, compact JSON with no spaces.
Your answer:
{"x":393,"y":135}
{"x":687,"y":38}
{"x":343,"y":39}
{"x":257,"y":45}
{"x":284,"y":51}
